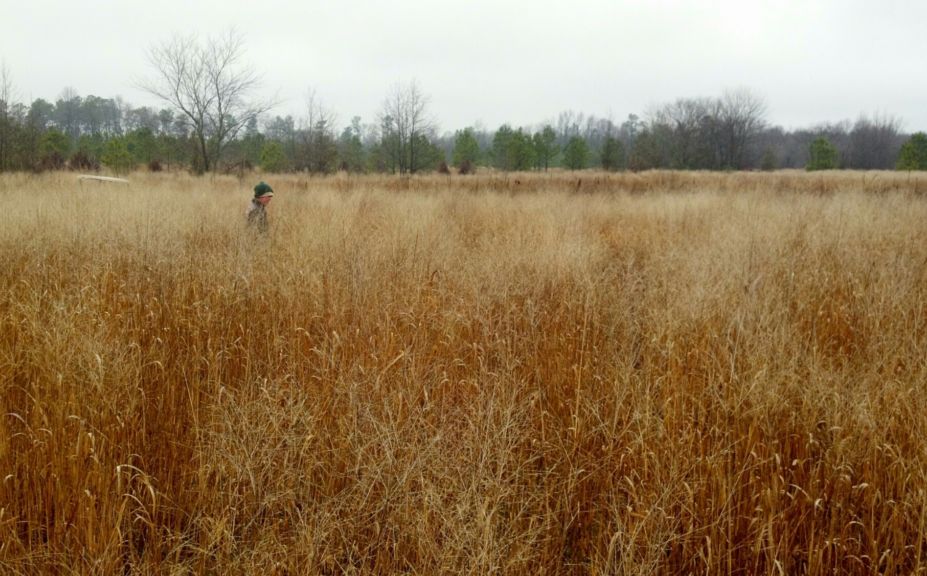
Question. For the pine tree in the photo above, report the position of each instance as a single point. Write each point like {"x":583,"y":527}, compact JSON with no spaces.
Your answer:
{"x":823,"y":155}
{"x":466,"y":148}
{"x":116,"y":156}
{"x":272,"y":157}
{"x":613,"y":157}
{"x":576,"y":153}
{"x":913,"y":155}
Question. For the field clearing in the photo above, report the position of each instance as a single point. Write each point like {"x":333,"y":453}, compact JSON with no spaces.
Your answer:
{"x":510,"y":374}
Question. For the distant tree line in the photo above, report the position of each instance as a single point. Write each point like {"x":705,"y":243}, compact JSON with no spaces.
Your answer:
{"x":730,"y":132}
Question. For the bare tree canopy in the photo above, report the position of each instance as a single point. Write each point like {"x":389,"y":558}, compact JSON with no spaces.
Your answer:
{"x":709,"y":133}
{"x":6,"y":108}
{"x":741,"y":115}
{"x":208,"y":83}
{"x":874,"y":142}
{"x":317,"y":151}
{"x":404,"y":122}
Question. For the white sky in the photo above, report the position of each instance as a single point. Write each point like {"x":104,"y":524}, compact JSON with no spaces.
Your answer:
{"x":495,"y":61}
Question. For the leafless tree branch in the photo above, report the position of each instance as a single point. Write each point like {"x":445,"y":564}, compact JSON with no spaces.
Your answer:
{"x":207,"y":83}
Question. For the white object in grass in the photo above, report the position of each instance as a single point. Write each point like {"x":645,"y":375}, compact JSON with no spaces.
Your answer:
{"x":103,"y":179}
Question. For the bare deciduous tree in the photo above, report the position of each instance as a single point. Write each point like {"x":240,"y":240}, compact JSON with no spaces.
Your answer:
{"x":6,"y":109}
{"x":709,"y":133}
{"x":741,"y":116}
{"x":404,"y":120}
{"x":692,"y":123}
{"x":67,"y":113}
{"x":318,"y":150}
{"x":210,"y":86}
{"x":874,"y":143}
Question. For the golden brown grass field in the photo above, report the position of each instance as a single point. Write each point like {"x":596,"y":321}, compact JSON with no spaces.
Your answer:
{"x":662,"y":373}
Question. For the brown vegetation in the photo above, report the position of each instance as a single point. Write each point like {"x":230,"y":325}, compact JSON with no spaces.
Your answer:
{"x":660,"y":373}
{"x":82,"y":162}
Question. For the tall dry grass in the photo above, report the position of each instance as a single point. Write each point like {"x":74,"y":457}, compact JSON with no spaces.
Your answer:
{"x":636,"y":374}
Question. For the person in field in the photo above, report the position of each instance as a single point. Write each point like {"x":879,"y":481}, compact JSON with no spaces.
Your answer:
{"x":257,"y":212}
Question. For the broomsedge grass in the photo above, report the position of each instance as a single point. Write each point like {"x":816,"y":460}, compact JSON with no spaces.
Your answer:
{"x":502,"y":374}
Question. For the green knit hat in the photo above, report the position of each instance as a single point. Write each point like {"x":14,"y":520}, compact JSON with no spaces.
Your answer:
{"x":263,"y":189}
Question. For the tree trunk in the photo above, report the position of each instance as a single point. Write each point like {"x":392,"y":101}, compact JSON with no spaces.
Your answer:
{"x":204,"y":152}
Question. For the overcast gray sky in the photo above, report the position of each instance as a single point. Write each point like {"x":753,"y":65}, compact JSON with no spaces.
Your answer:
{"x":495,"y":61}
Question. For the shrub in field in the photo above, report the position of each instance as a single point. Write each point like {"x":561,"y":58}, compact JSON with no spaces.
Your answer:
{"x":466,"y":167}
{"x":823,"y":155}
{"x":81,"y":161}
{"x":443,"y":169}
{"x":155,"y":165}
{"x":51,"y":161}
{"x":913,"y":155}
{"x":238,"y":168}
